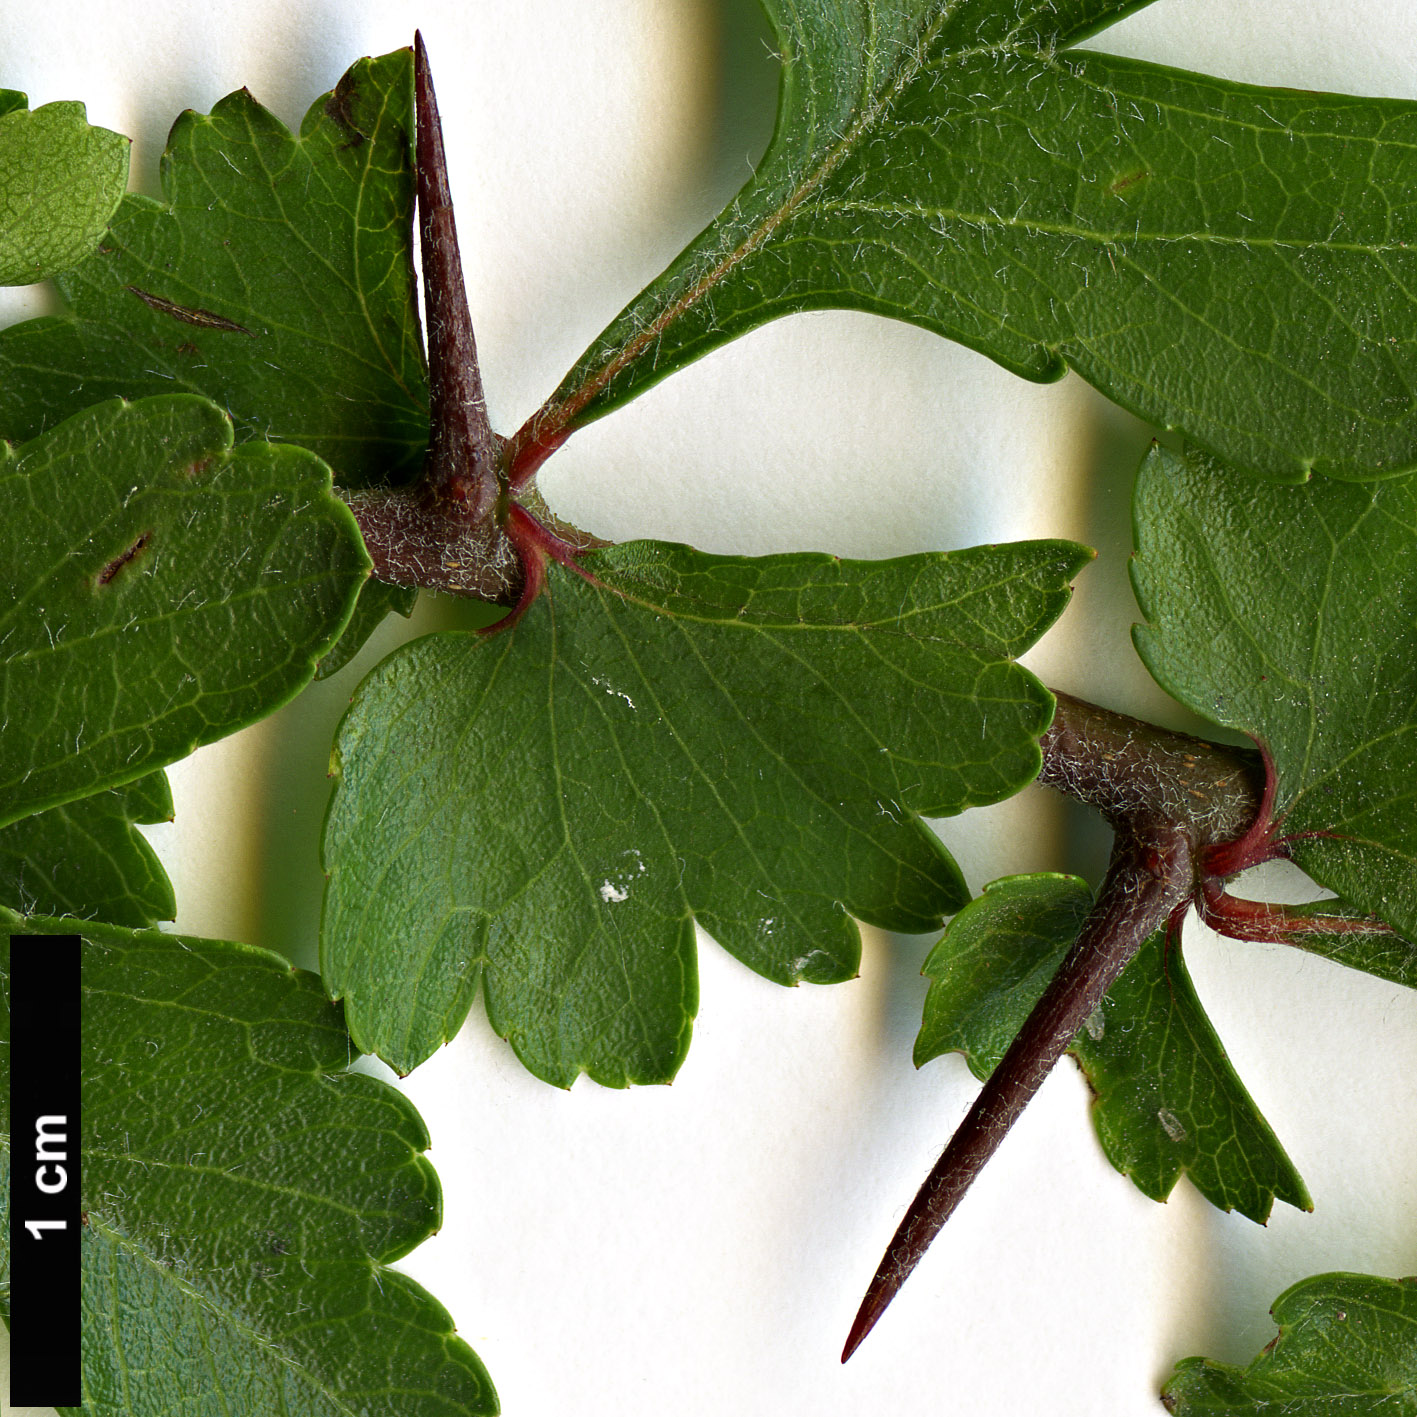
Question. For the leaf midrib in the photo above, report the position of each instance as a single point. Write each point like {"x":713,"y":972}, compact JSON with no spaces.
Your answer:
{"x":736,"y":621}
{"x":560,"y":413}
{"x":1118,"y":238}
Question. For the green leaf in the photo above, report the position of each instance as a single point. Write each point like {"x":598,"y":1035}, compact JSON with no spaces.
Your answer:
{"x":158,"y":589}
{"x":743,"y":742}
{"x":275,"y":278}
{"x":1165,"y":1098}
{"x":244,"y":1193}
{"x":992,"y":964}
{"x":1347,"y":1347}
{"x":1291,"y":615}
{"x":85,"y":858}
{"x":1232,"y":261}
{"x":60,"y":181}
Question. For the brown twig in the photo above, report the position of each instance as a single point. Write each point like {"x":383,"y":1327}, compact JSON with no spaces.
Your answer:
{"x":1146,"y":881}
{"x":443,"y":532}
{"x":1170,"y":798}
{"x":462,"y":449}
{"x":461,"y":527}
{"x":1187,"y":813}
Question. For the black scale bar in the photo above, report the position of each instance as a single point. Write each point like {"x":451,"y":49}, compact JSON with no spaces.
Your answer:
{"x":45,"y":1213}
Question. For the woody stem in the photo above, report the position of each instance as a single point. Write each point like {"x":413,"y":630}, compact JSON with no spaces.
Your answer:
{"x":1169,"y":797}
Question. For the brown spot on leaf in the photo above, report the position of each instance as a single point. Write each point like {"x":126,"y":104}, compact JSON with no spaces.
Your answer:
{"x":190,"y":315}
{"x":106,"y":575}
{"x":188,"y":348}
{"x":339,"y":106}
{"x":1130,"y":180}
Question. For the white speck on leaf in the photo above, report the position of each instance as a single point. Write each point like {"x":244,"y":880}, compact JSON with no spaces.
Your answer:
{"x":610,"y":893}
{"x":611,"y":689}
{"x":1171,"y":1124}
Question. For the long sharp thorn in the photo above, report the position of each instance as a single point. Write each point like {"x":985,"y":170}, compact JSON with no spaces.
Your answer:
{"x":462,"y":448}
{"x":1144,"y":885}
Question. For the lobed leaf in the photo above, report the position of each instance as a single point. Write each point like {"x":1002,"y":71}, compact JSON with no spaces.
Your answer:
{"x":60,"y":182}
{"x":1347,"y":1347}
{"x":1165,"y":1098}
{"x":1232,"y":261}
{"x":1290,"y":614}
{"x":275,"y":278}
{"x":748,"y":743}
{"x":85,"y":859}
{"x":243,"y":1195}
{"x":160,"y":589}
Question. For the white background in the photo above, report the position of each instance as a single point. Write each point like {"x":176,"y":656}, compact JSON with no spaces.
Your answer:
{"x":701,"y":1249}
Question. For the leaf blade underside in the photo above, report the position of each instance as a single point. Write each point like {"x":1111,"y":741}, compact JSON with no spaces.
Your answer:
{"x":160,"y":589}
{"x":1169,"y":236}
{"x":747,"y":743}
{"x":244,"y":1193}
{"x":1165,"y":1098}
{"x":1290,"y":614}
